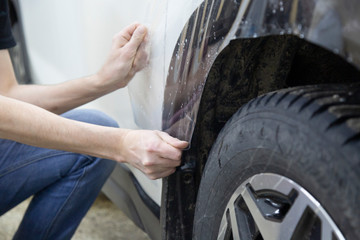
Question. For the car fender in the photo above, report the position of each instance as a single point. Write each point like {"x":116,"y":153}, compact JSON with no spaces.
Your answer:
{"x":333,"y":25}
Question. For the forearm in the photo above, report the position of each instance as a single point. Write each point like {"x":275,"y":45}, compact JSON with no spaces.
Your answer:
{"x":57,"y":98}
{"x":32,"y":125}
{"x":62,"y":97}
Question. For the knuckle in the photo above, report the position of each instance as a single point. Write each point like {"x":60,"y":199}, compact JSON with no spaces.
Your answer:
{"x":148,"y":171}
{"x":153,"y":177}
{"x":153,"y":147}
{"x":135,"y":64}
{"x":148,"y":163}
{"x":151,"y":174}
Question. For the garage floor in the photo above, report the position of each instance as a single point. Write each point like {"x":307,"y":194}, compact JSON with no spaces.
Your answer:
{"x":104,"y":221}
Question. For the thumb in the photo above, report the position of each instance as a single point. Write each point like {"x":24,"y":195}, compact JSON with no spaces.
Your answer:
{"x":172,"y":141}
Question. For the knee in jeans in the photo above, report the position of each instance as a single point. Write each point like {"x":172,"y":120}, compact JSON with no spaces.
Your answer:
{"x":94,"y":117}
{"x":108,"y":166}
{"x":102,"y":168}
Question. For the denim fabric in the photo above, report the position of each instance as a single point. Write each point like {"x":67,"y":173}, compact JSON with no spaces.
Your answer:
{"x":63,"y":185}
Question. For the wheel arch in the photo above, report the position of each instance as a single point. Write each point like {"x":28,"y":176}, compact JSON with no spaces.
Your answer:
{"x":199,"y":102}
{"x":248,"y":68}
{"x":216,"y":23}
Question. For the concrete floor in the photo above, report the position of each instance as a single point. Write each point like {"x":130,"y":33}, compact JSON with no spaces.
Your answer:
{"x":104,"y":221}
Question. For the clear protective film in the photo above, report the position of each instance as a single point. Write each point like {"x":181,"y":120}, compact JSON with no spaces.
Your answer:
{"x":187,"y":36}
{"x":145,"y":90}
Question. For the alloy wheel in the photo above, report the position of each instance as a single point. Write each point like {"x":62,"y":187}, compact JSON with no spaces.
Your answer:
{"x":272,"y":207}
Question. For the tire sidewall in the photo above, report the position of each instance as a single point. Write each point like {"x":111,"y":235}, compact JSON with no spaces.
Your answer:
{"x":271,"y":141}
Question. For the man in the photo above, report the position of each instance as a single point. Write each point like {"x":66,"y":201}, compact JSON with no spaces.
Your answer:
{"x":62,"y":160}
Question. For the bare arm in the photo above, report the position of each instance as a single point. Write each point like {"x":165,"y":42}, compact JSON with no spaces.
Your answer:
{"x":28,"y":121}
{"x":126,"y":57}
{"x":153,"y":152}
{"x":35,"y":126}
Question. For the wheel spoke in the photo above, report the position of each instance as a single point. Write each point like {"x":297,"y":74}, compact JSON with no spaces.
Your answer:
{"x":224,"y":227}
{"x":292,"y":218}
{"x":328,"y":228}
{"x":269,"y":230}
{"x":272,"y":230}
{"x":326,"y":231}
{"x":234,"y":221}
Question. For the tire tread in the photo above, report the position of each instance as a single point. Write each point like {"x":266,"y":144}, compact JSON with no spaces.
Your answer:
{"x":331,"y":102}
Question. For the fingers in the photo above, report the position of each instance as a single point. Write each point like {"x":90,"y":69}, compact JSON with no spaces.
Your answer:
{"x":166,"y":151}
{"x":168,"y":147}
{"x":142,"y":56}
{"x":124,"y":36}
{"x":155,"y":153}
{"x":137,"y":37}
{"x":130,"y":37}
{"x":172,"y":141}
{"x":158,"y":167}
{"x":165,"y":155}
{"x":160,"y":174}
{"x":127,"y":56}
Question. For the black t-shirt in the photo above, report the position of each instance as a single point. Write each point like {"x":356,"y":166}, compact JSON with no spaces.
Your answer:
{"x":6,"y":38}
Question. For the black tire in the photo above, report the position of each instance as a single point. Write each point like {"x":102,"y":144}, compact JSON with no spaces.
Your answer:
{"x":303,"y":139}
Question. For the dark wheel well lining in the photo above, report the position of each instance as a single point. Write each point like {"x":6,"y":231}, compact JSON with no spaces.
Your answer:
{"x":252,"y":67}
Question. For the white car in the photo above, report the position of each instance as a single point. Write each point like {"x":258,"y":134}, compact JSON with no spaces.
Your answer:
{"x":266,"y":91}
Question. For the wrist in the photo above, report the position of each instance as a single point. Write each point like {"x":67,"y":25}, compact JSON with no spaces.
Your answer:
{"x":108,"y":143}
{"x":98,"y":83}
{"x":122,"y":145}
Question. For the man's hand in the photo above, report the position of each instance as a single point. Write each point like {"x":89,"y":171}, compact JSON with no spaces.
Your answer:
{"x":155,"y":153}
{"x":127,"y":56}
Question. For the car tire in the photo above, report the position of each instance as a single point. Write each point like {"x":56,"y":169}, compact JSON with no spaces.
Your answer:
{"x":285,"y":166}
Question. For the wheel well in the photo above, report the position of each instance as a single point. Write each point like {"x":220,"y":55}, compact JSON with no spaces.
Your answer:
{"x":251,"y":67}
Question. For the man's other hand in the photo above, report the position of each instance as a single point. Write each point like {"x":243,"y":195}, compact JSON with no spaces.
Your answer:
{"x":127,"y":56}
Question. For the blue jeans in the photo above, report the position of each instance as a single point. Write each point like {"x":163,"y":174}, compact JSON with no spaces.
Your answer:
{"x":64,"y":185}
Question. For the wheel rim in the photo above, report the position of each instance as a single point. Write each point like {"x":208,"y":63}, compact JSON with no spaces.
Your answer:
{"x":269,"y":206}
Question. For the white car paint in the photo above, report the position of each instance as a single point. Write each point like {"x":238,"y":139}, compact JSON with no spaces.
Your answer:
{"x":68,"y":39}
